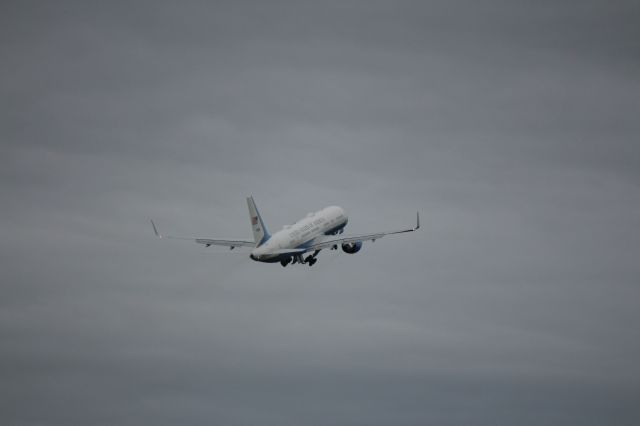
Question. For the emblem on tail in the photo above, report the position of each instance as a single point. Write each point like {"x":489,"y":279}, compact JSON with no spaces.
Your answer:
{"x":260,"y":233}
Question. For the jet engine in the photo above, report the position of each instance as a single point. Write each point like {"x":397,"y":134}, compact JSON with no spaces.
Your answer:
{"x":352,"y":247}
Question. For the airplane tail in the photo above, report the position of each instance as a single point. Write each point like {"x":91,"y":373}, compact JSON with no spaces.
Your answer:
{"x":260,"y":233}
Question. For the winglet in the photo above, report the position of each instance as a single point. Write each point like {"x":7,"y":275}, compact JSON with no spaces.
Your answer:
{"x":417,"y":221}
{"x":155,"y":229}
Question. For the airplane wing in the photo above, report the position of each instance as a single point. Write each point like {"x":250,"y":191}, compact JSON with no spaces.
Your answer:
{"x":345,"y":239}
{"x":207,"y":241}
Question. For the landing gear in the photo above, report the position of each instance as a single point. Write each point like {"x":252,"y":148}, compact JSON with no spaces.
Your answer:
{"x":298,"y":258}
{"x":311,"y":259}
{"x":285,"y":262}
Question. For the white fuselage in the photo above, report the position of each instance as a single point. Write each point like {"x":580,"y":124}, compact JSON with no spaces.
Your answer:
{"x":305,"y":232}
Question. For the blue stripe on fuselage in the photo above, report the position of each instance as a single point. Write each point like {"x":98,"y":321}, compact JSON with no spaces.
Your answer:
{"x":331,"y":231}
{"x":304,"y":245}
{"x":335,"y":229}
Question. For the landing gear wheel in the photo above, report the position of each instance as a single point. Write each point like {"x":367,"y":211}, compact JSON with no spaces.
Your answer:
{"x":285,"y":262}
{"x":312,"y":261}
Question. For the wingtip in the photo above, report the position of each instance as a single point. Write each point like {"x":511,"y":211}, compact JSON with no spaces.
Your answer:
{"x":155,"y":229}
{"x":417,"y":220}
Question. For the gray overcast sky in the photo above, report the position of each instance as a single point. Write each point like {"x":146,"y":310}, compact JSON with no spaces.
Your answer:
{"x":511,"y":125}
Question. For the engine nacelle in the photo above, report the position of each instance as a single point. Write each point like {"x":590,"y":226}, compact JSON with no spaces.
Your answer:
{"x":352,"y":247}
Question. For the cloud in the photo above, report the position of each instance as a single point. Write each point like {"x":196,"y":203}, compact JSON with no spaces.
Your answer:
{"x":511,"y":126}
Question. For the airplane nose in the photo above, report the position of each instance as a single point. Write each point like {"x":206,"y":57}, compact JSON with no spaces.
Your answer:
{"x":253,"y":257}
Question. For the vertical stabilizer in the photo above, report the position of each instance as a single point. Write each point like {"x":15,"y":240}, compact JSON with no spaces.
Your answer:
{"x":260,"y":233}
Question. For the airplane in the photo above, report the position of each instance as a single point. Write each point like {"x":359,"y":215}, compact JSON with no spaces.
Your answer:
{"x":317,"y":231}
